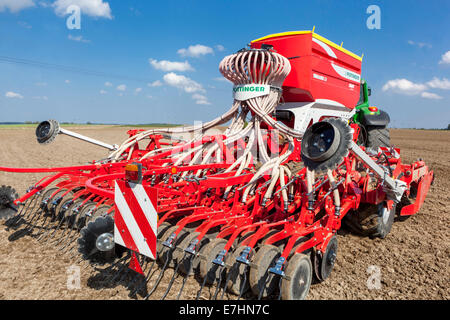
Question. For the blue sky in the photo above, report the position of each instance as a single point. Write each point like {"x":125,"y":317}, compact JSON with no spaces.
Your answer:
{"x":131,"y":67}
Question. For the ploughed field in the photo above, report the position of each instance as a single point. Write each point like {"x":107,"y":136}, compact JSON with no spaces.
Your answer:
{"x":411,"y":263}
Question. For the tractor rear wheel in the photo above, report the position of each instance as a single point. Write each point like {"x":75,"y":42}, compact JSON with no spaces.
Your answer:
{"x":377,"y":137}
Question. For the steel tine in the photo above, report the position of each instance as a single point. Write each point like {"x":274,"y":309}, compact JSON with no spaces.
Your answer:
{"x":15,"y":219}
{"x":228,"y":279}
{"x":144,"y":281}
{"x":175,"y":273}
{"x":219,"y":281}
{"x":245,"y":280}
{"x":16,"y":223}
{"x":261,"y":289}
{"x":199,"y":292}
{"x":119,"y":270}
{"x":185,"y":277}
{"x":166,"y":263}
{"x":279,"y":288}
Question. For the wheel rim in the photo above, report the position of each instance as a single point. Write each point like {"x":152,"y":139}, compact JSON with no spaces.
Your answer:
{"x":296,"y":284}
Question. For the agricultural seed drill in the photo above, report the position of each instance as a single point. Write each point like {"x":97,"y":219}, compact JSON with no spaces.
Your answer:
{"x":253,"y":210}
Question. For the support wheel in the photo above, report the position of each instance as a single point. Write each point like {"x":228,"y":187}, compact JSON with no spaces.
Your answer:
{"x":374,"y":221}
{"x":323,"y":264}
{"x":298,"y":278}
{"x":207,"y":268}
{"x":238,"y":279}
{"x":262,"y":282}
{"x":190,"y":263}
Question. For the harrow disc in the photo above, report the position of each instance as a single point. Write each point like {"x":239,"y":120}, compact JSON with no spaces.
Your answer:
{"x":90,"y":235}
{"x":323,"y":264}
{"x":208,"y":269}
{"x":262,"y":282}
{"x":7,"y":206}
{"x":298,"y":278}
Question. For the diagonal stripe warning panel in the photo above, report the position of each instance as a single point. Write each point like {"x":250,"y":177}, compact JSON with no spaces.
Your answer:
{"x":135,"y":219}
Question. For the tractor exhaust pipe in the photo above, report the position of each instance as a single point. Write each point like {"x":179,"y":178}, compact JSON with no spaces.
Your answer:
{"x":47,"y":131}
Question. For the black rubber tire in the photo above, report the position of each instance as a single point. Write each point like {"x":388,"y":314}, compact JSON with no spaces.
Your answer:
{"x":166,"y":252}
{"x":162,"y":229}
{"x":190,"y":264}
{"x":236,"y":284}
{"x":207,"y":268}
{"x":377,"y":137}
{"x":340,"y":146}
{"x":260,"y":277}
{"x":374,"y":221}
{"x":299,"y":273}
{"x":323,"y":264}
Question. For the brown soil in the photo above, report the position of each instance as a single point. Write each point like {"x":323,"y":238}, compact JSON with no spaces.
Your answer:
{"x":413,"y":259}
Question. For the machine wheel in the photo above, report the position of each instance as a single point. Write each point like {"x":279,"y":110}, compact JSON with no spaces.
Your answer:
{"x":325,"y":144}
{"x":165,"y":252}
{"x":260,"y":277}
{"x":191,"y":263}
{"x":207,"y":268}
{"x":373,"y":221}
{"x":377,"y":137}
{"x":7,"y":206}
{"x":89,"y":236}
{"x":162,"y":229}
{"x":237,"y":277}
{"x":323,"y":264}
{"x":298,"y":278}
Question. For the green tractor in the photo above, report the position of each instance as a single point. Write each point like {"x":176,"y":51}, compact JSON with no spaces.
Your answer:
{"x":373,"y":122}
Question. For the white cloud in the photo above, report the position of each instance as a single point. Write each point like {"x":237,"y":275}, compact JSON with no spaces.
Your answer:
{"x":137,"y":90}
{"x":121,"y":87}
{"x":149,"y":97}
{"x":67,"y":81}
{"x":404,"y":86}
{"x":220,"y":47}
{"x":93,"y":8}
{"x":155,"y":83}
{"x":429,"y":95}
{"x":16,"y":5}
{"x":419,"y":44}
{"x":41,"y":84}
{"x":166,"y":65}
{"x":445,"y":58}
{"x":13,"y":95}
{"x":436,"y":83}
{"x":200,"y":99}
{"x":103,"y":92}
{"x":121,"y":94}
{"x":78,"y":38}
{"x":182,"y":82}
{"x":195,"y":51}
{"x":108,"y":84}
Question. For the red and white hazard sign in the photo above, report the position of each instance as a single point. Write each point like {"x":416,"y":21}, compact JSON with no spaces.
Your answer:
{"x":135,"y":218}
